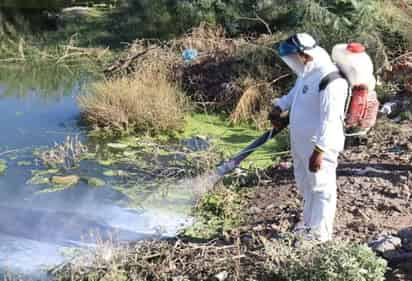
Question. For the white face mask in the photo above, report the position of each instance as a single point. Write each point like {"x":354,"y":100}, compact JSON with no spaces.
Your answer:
{"x":294,"y":63}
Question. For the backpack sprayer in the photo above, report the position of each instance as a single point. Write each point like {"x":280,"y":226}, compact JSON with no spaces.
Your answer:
{"x":228,"y":166}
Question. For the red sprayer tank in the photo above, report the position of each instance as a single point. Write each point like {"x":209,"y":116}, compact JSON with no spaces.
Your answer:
{"x":357,"y":66}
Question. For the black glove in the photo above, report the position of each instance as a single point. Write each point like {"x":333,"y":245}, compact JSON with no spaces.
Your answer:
{"x":275,"y":117}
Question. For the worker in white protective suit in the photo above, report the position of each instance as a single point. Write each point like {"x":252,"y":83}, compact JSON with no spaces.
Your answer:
{"x":316,"y":131}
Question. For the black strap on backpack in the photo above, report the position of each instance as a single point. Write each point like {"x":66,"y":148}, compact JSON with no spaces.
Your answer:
{"x":329,"y":79}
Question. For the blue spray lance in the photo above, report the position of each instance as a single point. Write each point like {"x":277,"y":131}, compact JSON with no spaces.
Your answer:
{"x":228,"y":166}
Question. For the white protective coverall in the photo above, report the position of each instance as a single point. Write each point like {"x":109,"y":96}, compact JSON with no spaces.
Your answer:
{"x":316,"y":119}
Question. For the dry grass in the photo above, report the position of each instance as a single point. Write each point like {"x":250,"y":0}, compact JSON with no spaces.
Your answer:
{"x":207,"y":39}
{"x":254,"y":99}
{"x":145,"y":102}
{"x":161,"y":261}
{"x":66,"y":155}
{"x":245,"y":256}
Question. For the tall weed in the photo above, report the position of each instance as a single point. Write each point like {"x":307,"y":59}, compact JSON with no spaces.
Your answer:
{"x":145,"y":102}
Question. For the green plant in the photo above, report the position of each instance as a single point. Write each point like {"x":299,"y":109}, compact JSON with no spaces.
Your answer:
{"x":216,"y":212}
{"x":370,"y":22}
{"x":406,"y":115}
{"x":3,"y":166}
{"x":337,"y":261}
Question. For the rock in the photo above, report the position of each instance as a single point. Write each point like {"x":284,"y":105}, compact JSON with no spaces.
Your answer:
{"x":259,"y":228}
{"x":255,"y":210}
{"x":3,"y":167}
{"x":271,"y":206}
{"x":385,"y":243}
{"x":96,"y":182}
{"x":359,"y":213}
{"x":65,"y":180}
{"x":222,"y":276}
{"x":406,"y":237}
{"x":372,"y":227}
{"x":403,"y":179}
{"x":405,"y":191}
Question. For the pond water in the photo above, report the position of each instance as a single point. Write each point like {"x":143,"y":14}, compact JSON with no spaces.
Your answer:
{"x":37,"y":228}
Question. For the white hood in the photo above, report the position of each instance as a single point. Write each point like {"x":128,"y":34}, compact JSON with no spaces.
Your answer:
{"x":321,"y":60}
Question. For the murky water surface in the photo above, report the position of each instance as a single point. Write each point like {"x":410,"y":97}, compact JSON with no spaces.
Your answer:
{"x":36,"y":229}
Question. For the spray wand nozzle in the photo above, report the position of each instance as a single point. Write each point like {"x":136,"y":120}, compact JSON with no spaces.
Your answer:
{"x":226,"y":167}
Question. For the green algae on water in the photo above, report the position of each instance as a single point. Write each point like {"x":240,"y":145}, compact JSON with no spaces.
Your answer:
{"x":93,"y":181}
{"x":38,"y":180}
{"x":230,"y":139}
{"x":24,"y":163}
{"x":3,"y":167}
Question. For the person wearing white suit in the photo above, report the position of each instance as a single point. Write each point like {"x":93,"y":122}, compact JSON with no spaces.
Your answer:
{"x":316,"y":130}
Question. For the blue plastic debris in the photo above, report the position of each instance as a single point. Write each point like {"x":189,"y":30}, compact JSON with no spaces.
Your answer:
{"x":189,"y":55}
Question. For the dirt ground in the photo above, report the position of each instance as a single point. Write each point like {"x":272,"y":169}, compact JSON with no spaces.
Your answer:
{"x":374,"y":192}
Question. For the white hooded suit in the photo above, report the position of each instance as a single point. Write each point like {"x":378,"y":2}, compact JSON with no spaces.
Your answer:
{"x":316,"y":119}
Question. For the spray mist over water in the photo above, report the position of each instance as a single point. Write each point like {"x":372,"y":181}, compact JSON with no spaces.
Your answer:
{"x":37,"y":232}
{"x":36,"y":236}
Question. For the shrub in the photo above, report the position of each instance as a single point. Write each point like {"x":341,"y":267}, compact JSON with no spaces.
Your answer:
{"x":216,"y":212}
{"x":329,"y":261}
{"x":145,"y":102}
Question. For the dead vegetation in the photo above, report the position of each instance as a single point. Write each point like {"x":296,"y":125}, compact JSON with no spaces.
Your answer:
{"x":232,"y":75}
{"x":250,"y":256}
{"x":20,"y":52}
{"x":65,"y":155}
{"x":146,"y":101}
{"x":237,"y":76}
{"x":401,"y":72}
